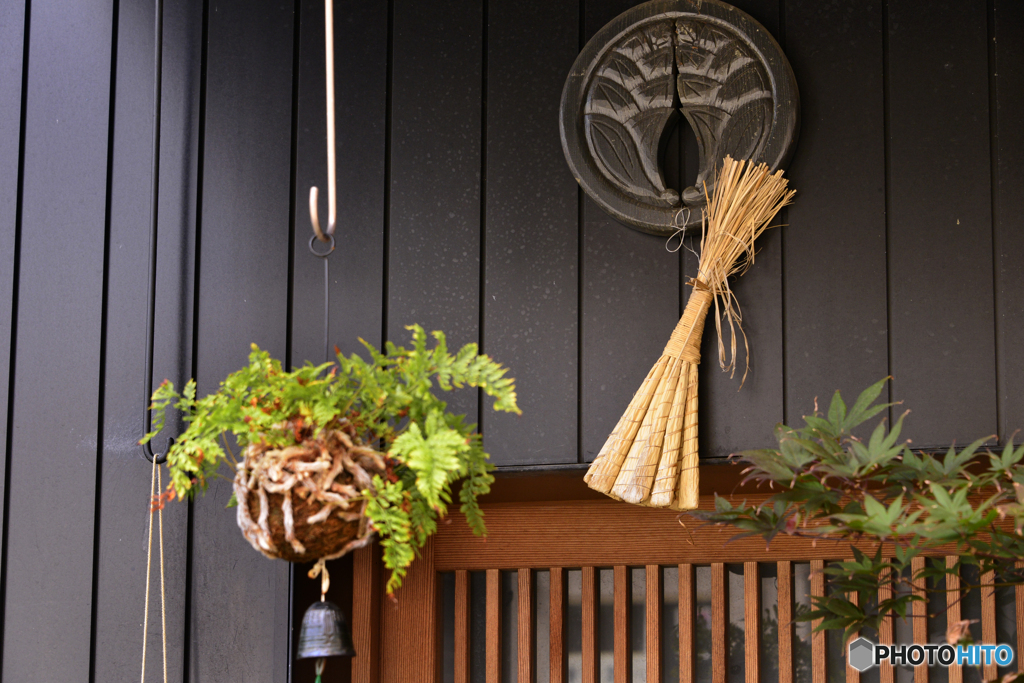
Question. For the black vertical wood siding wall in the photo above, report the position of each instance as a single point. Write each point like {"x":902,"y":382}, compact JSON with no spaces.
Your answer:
{"x":902,"y":256}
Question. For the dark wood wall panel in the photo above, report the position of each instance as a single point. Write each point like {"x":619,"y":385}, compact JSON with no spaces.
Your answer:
{"x":734,"y":418}
{"x":52,"y":484}
{"x":240,"y":605}
{"x":836,"y":331}
{"x":357,"y":264}
{"x":1008,"y":211}
{"x":125,"y":482}
{"x":629,"y":298}
{"x":531,"y":283}
{"x":940,"y":230}
{"x":457,"y":211}
{"x":434,"y":213}
{"x":12,"y":46}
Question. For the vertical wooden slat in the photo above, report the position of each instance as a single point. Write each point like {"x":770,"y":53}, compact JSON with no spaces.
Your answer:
{"x":462,"y":631}
{"x":818,"y":655}
{"x":953,"y":614}
{"x":988,"y":622}
{"x":410,"y":626}
{"x":719,"y":619}
{"x":119,"y":587}
{"x":751,"y":621}
{"x":885,"y":636}
{"x":243,"y":298}
{"x":493,"y":626}
{"x":1007,"y":68}
{"x":785,"y":597}
{"x":920,"y":615}
{"x":434,"y":232}
{"x":589,"y":625}
{"x":58,"y":341}
{"x":935,"y":65}
{"x":852,"y":675}
{"x":846,"y":119}
{"x":622,"y":651}
{"x":653,"y":611}
{"x":556,"y":627}
{"x":525,"y":621}
{"x":529,"y":242}
{"x":366,"y":590}
{"x":687,"y":621}
{"x":1019,"y":594}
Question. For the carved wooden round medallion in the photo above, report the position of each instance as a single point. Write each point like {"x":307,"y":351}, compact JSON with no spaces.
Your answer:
{"x":704,"y":59}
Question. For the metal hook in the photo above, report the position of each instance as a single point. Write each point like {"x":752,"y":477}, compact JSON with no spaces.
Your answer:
{"x":147,"y":448}
{"x":332,"y":194}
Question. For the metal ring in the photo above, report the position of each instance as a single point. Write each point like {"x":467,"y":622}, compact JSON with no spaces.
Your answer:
{"x":314,"y":239}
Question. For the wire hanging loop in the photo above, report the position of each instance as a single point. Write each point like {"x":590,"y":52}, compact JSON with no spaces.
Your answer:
{"x":332,"y":165}
{"x":147,"y":448}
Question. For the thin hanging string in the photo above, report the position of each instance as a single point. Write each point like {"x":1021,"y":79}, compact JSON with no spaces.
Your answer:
{"x":320,"y":569}
{"x":155,"y":484}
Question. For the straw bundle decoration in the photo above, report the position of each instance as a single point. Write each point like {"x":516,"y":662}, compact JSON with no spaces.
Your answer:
{"x":650,"y":458}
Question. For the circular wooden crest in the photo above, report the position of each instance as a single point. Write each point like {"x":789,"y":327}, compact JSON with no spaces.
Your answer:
{"x":703,"y":58}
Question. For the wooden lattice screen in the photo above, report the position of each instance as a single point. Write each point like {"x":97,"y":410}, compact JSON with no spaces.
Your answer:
{"x":400,"y":641}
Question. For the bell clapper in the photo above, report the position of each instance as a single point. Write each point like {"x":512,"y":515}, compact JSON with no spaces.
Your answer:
{"x":320,"y":668}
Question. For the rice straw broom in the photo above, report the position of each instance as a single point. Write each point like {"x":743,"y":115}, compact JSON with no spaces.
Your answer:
{"x":650,"y":458}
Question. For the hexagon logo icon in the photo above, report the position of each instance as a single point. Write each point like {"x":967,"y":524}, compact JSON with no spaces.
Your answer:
{"x":861,"y":654}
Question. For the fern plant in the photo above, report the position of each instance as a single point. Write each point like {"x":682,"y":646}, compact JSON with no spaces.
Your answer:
{"x":386,"y":409}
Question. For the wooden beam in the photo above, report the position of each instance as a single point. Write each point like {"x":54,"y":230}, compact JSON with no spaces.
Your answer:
{"x":719,"y":623}
{"x":584,"y":527}
{"x":819,"y":673}
{"x":687,"y":622}
{"x":525,"y":621}
{"x":590,"y":653}
{"x":493,"y":633}
{"x":751,"y":622}
{"x":462,"y":629}
{"x":623,"y":659}
{"x":785,"y":630}
{"x":653,"y":612}
{"x":366,"y":592}
{"x":556,"y":626}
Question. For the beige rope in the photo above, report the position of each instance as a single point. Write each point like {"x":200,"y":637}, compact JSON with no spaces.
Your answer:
{"x":154,"y":486}
{"x":685,"y":340}
{"x":320,"y":569}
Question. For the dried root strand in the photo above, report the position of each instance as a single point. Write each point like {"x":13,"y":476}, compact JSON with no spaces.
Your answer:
{"x":332,"y":470}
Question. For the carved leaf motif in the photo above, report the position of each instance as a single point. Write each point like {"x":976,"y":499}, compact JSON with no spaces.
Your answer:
{"x":630,"y":102}
{"x":724,"y":92}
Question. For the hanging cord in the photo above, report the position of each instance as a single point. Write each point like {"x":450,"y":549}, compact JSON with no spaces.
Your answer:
{"x":320,"y":569}
{"x":155,"y":505}
{"x":327,"y":289}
